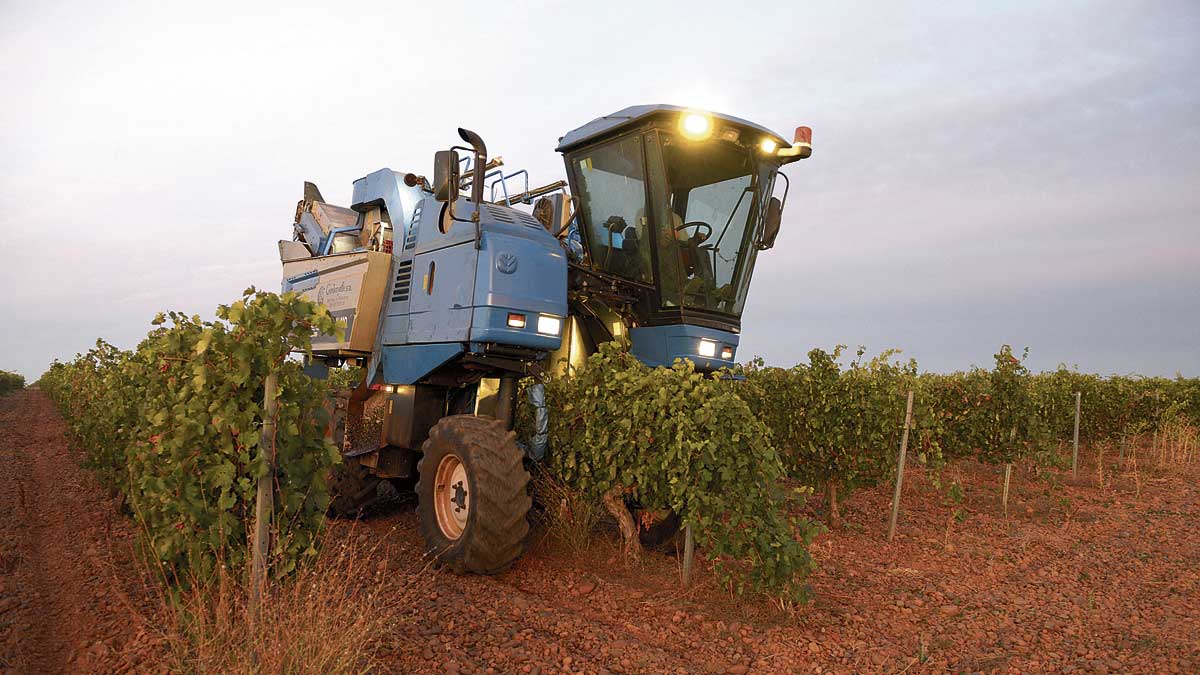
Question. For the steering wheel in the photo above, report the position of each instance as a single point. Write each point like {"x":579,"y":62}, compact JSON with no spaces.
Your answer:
{"x":700,"y":226}
{"x":615,"y":224}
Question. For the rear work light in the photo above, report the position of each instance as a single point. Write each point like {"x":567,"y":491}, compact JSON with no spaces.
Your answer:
{"x":516,"y":320}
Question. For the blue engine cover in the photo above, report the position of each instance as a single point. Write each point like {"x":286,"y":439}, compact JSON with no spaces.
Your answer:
{"x":523,"y":270}
{"x":447,"y":295}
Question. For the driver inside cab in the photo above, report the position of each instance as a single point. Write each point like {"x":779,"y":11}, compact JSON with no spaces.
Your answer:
{"x":685,"y":261}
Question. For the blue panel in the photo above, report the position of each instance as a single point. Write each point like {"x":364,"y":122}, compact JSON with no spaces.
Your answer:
{"x":407,"y":364}
{"x":430,"y":236}
{"x":521,"y":268}
{"x":316,"y":369}
{"x":661,"y":345}
{"x":388,"y":186}
{"x":491,"y":325}
{"x":516,"y":267}
{"x":443,"y":313}
{"x":395,"y":328}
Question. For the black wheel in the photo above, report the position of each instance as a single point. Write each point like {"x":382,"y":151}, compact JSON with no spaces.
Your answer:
{"x":472,"y":495}
{"x":655,"y":530}
{"x":352,"y":488}
{"x":404,"y":486}
{"x":351,"y":485}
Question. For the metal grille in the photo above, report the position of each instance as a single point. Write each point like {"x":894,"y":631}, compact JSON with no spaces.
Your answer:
{"x":502,"y":215}
{"x":410,"y":238}
{"x":403,"y":280}
{"x":511,"y":216}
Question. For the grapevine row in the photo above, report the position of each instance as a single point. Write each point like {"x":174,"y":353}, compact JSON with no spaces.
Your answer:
{"x":837,"y":428}
{"x":720,"y":451}
{"x":10,"y":382}
{"x":174,"y":427}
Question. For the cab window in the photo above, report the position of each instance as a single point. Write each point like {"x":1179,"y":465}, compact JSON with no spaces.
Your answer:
{"x":612,"y":183}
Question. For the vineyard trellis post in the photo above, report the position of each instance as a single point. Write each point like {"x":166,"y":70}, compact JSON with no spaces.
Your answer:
{"x":264,"y":505}
{"x":1007,"y":478}
{"x":1075,"y":440}
{"x":1012,"y":438}
{"x":1157,"y":423}
{"x":900,"y":466}
{"x":689,"y":554}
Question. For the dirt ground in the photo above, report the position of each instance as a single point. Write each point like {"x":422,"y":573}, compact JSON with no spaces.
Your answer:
{"x":71,"y":589}
{"x":1080,"y":577}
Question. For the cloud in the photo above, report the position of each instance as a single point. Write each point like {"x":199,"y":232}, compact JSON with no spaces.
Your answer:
{"x":982,"y":173}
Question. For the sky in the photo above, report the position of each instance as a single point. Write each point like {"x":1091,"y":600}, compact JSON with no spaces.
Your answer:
{"x":983,"y":173}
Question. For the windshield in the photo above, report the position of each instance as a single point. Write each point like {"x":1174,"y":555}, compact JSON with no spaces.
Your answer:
{"x":706,"y":204}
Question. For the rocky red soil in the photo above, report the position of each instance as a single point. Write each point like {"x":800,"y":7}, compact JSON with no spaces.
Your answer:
{"x":71,"y":589}
{"x":1077,"y":579}
{"x":1080,"y":577}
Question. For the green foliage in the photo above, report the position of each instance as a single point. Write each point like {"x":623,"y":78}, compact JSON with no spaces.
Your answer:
{"x":10,"y":382}
{"x":841,"y":426}
{"x":346,"y":377}
{"x":176,"y":427}
{"x":676,"y":439}
{"x":1112,"y":407}
{"x":997,"y":416}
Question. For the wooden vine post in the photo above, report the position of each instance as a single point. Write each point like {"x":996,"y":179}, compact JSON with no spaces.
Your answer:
{"x":1012,"y":437}
{"x":1075,"y":441}
{"x":689,"y":554}
{"x":265,"y":504}
{"x":900,"y":467}
{"x":1157,"y":423}
{"x":1007,"y":477}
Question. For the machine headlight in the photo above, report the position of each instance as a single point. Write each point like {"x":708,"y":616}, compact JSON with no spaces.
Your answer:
{"x":696,"y":126}
{"x":549,"y":325}
{"x":707,"y":348}
{"x":768,"y":146}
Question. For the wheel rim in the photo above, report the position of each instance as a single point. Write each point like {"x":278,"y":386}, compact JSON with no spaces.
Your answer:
{"x":451,"y":496}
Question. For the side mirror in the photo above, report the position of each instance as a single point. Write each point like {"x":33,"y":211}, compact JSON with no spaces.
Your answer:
{"x":771,"y":223}
{"x":445,"y":176}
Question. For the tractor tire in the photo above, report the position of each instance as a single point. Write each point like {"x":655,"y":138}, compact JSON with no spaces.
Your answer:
{"x":473,"y":495}
{"x":352,"y":488}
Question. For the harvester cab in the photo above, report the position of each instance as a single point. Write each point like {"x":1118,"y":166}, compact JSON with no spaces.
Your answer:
{"x":450,"y":294}
{"x":673,"y":206}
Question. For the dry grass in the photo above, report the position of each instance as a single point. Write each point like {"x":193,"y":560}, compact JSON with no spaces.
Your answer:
{"x":1176,"y":444}
{"x":330,"y":617}
{"x":570,"y":518}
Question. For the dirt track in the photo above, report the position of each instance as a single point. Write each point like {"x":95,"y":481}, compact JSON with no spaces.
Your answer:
{"x":1078,"y":579}
{"x":67,"y":571}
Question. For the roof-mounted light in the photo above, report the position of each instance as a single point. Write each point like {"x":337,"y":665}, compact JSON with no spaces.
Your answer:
{"x":696,"y":126}
{"x":801,"y":146}
{"x":768,"y":146}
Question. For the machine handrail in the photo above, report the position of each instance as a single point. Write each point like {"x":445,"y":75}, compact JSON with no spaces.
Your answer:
{"x":333,"y":234}
{"x":503,"y":181}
